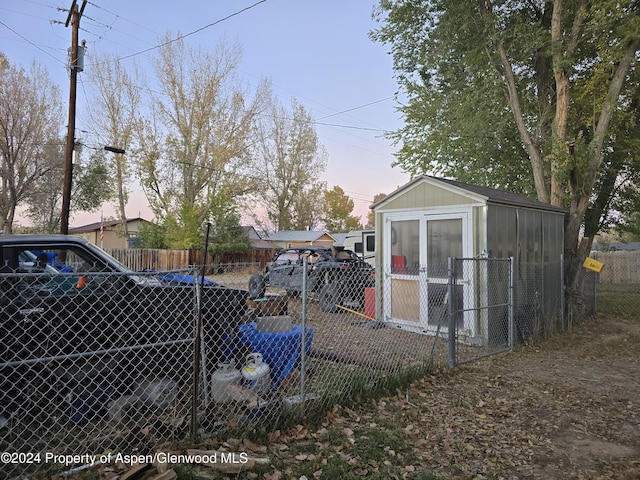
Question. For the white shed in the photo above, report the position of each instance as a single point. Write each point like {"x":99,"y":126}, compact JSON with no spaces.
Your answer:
{"x":428,"y":220}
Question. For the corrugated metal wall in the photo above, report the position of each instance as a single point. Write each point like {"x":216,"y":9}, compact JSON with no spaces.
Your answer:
{"x":535,"y":239}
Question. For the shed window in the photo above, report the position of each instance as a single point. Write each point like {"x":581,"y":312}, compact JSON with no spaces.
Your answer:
{"x":405,"y":247}
{"x":444,"y":240}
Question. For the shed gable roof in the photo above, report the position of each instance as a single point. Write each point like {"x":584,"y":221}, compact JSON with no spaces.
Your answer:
{"x":471,"y":192}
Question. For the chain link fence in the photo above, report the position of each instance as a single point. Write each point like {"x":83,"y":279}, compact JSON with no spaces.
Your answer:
{"x":96,"y":362}
{"x":481,"y":312}
{"x":539,"y":300}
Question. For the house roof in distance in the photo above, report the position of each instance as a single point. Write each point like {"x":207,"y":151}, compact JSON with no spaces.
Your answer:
{"x":616,"y":246}
{"x":92,"y":227}
{"x":298,"y":236}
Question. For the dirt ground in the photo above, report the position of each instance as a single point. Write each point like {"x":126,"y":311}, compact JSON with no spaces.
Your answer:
{"x":566,"y":409}
{"x":569,"y":408}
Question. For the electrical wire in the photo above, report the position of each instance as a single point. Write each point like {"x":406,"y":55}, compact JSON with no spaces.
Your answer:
{"x":180,"y":37}
{"x":31,"y":43}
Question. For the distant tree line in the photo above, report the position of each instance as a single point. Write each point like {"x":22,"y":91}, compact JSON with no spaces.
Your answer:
{"x":202,"y":147}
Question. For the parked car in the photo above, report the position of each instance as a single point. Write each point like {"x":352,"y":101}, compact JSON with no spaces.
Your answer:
{"x":72,"y":318}
{"x":337,"y":276}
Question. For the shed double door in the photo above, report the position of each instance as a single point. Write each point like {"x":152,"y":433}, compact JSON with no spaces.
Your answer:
{"x":419,"y":288}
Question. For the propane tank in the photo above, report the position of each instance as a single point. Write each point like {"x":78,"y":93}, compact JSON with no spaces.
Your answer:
{"x":256,"y":374}
{"x":225,"y":375}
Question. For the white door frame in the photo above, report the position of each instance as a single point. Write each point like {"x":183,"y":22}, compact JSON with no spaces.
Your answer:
{"x":423,"y":216}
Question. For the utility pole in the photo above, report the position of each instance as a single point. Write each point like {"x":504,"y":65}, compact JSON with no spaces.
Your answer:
{"x":74,"y":18}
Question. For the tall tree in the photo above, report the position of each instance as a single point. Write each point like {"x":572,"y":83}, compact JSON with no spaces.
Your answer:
{"x":338,"y":211}
{"x":227,"y":235}
{"x":519,"y":95}
{"x":113,"y":112}
{"x":30,"y":119}
{"x":289,"y":161}
{"x":307,"y":209}
{"x":192,"y":149}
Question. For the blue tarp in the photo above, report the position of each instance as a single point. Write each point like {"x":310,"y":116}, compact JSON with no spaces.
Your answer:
{"x":281,"y":351}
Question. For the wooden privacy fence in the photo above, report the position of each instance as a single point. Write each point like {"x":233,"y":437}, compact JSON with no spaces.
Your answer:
{"x":620,"y":267}
{"x":138,"y":259}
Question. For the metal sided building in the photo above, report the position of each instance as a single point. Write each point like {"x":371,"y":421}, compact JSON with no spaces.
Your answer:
{"x":425,"y":222}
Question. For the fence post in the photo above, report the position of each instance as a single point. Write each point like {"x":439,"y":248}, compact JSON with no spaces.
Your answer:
{"x":511,"y":302}
{"x":197,"y":346}
{"x":596,"y":286}
{"x":303,"y":347}
{"x":563,"y":318}
{"x":451,"y":313}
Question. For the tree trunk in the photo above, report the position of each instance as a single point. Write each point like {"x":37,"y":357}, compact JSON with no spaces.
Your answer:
{"x":582,"y":183}
{"x":533,"y":151}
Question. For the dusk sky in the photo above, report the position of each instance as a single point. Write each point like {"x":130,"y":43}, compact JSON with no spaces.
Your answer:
{"x":317,"y":51}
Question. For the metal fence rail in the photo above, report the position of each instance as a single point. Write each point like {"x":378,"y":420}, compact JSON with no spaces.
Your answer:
{"x":480,"y":308}
{"x":94,"y":362}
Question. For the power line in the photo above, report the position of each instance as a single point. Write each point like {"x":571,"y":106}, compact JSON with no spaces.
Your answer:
{"x":180,"y":37}
{"x":124,"y":18}
{"x":357,"y":108}
{"x":351,"y":127}
{"x":30,"y":42}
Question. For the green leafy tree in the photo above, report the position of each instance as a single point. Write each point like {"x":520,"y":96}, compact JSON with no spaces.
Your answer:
{"x":371,"y":218}
{"x":151,"y":235}
{"x":90,"y":188}
{"x":185,"y":230}
{"x":307,"y":209}
{"x":528,"y":96}
{"x":338,"y":211}
{"x":630,"y":230}
{"x":227,"y":235}
{"x":92,"y":184}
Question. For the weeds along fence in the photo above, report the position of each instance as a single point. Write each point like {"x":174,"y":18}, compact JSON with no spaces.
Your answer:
{"x":95,"y":362}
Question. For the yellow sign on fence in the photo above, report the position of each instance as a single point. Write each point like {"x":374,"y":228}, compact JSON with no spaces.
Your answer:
{"x":591,"y":264}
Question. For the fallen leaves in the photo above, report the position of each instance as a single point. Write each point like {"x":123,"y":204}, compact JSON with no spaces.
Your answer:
{"x":529,"y":414}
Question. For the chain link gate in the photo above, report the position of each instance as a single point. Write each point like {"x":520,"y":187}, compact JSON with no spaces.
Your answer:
{"x":480,"y":311}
